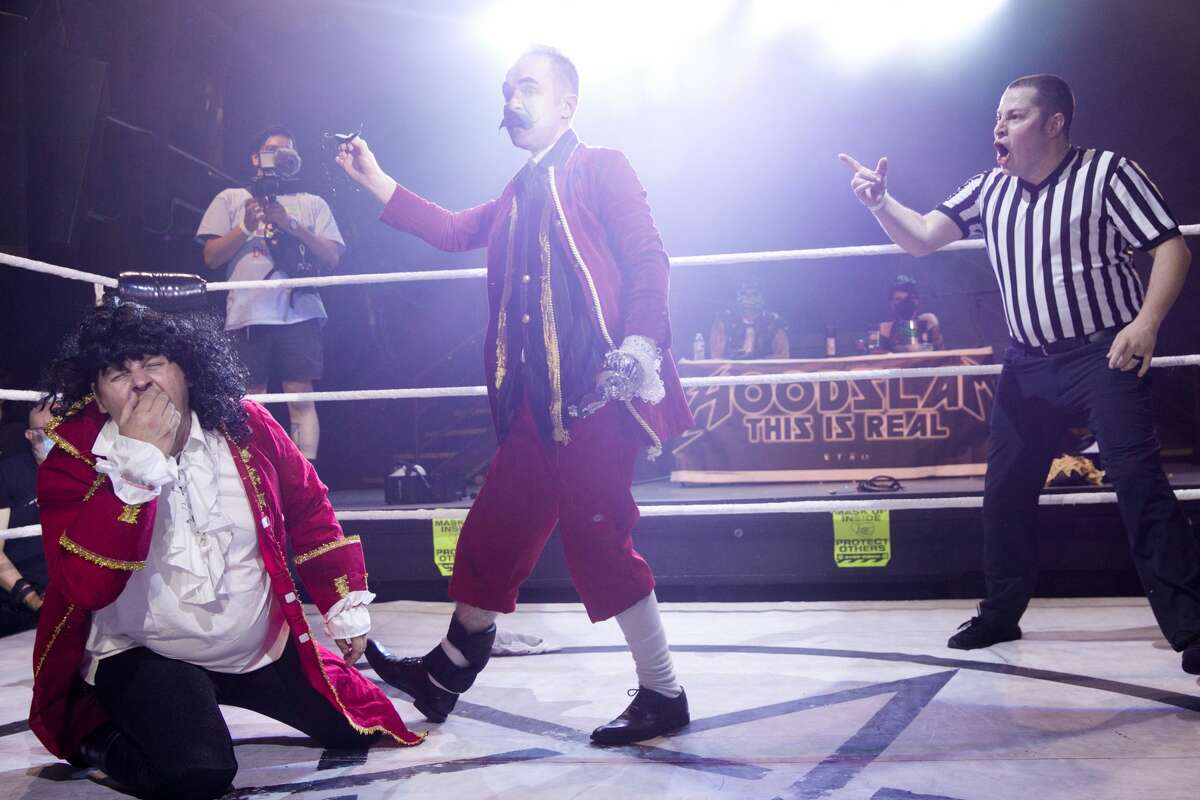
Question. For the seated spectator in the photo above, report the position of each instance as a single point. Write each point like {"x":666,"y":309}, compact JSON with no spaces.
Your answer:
{"x":748,"y":330}
{"x":909,"y":329}
{"x":22,"y":563}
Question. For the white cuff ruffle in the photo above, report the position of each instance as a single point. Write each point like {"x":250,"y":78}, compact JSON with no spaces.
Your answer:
{"x":648,"y":354}
{"x":349,"y":616}
{"x":138,"y":470}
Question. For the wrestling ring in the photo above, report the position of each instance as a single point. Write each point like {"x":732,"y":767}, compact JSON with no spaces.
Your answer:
{"x":833,"y":700}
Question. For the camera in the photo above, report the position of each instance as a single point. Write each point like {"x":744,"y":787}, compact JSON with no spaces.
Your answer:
{"x":276,"y":165}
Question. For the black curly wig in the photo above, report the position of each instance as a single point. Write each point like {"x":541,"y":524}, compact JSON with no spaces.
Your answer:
{"x":118,"y":331}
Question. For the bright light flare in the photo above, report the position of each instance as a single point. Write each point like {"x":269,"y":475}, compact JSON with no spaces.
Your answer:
{"x":649,"y":42}
{"x":864,"y":32}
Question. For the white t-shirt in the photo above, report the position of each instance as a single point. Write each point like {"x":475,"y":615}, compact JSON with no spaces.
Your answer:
{"x":253,"y":260}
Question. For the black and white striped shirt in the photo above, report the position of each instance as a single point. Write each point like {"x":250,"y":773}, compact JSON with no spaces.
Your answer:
{"x":1062,"y":250}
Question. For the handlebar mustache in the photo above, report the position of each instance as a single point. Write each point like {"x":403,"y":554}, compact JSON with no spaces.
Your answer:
{"x":514,"y":120}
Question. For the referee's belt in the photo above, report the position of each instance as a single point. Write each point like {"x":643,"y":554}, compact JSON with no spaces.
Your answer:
{"x":1073,"y":343}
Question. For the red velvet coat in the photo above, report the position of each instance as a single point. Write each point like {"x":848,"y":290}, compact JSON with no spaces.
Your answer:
{"x":93,"y":542}
{"x":602,"y":219}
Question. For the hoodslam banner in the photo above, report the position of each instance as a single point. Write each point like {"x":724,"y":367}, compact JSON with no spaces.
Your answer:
{"x":903,"y":427}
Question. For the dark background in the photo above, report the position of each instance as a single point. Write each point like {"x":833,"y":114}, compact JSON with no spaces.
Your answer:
{"x":109,"y":110}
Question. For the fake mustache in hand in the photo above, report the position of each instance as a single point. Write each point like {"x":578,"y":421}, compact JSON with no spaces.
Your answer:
{"x":513,"y":119}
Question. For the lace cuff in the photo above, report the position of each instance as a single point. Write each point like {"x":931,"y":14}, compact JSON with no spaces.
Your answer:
{"x":648,"y":354}
{"x":138,"y":470}
{"x":349,"y":616}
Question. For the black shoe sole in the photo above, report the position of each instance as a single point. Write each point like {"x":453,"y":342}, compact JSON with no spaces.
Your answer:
{"x":421,"y":700}
{"x":625,"y":739}
{"x":982,"y":644}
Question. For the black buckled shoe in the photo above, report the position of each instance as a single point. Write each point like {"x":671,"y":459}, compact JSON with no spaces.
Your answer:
{"x":649,"y":715}
{"x":93,"y":750}
{"x":1191,"y":658}
{"x":111,"y":751}
{"x":980,"y":632}
{"x":409,"y":676}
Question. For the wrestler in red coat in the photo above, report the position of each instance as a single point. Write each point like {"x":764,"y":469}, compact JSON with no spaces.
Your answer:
{"x":580,"y":378}
{"x":95,"y":543}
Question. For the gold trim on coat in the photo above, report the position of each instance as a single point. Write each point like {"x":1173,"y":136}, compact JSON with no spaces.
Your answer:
{"x":100,"y":476}
{"x":325,"y":548}
{"x":656,"y":448}
{"x":96,"y":558}
{"x":550,"y":335}
{"x":505,"y":296}
{"x":53,"y":637}
{"x":52,"y":425}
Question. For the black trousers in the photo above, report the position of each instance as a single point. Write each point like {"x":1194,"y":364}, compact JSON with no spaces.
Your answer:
{"x":168,"y":710}
{"x":1037,"y":397}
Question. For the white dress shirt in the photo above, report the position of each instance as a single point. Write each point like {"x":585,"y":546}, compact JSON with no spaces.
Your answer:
{"x":204,"y":596}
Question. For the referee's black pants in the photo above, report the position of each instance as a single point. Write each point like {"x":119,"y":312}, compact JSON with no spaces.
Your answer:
{"x":1037,"y":398}
{"x":175,"y":742}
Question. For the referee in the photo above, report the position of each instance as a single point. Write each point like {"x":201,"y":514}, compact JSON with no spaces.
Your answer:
{"x":1060,"y":223}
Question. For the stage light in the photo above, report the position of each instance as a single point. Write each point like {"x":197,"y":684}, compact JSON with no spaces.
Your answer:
{"x":864,"y":32}
{"x":653,"y":43}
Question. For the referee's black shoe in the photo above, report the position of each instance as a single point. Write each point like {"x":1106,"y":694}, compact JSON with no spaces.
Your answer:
{"x":980,"y":632}
{"x":649,"y":715}
{"x":409,"y":676}
{"x":1191,"y":658}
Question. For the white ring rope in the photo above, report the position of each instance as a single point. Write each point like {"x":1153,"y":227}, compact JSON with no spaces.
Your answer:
{"x":338,"y":280}
{"x":690,"y":383}
{"x":696,"y":509}
{"x":719,"y":259}
{"x":54,"y":269}
{"x":732,"y":509}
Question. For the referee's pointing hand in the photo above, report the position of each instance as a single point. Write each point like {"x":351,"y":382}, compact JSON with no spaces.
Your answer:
{"x":869,"y":185}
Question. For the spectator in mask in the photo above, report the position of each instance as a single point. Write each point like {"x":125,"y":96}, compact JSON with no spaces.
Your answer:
{"x":748,"y":330}
{"x":909,"y":328}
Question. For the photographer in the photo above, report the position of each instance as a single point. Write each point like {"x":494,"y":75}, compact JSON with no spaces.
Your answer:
{"x":275,"y":233}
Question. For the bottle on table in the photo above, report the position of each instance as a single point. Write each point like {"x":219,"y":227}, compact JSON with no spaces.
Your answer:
{"x":830,"y":341}
{"x":904,"y":336}
{"x":873,"y":339}
{"x":698,"y":347}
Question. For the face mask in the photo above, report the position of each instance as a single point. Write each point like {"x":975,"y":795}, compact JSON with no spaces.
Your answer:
{"x":750,"y":302}
{"x":42,"y":445}
{"x":905,"y":309}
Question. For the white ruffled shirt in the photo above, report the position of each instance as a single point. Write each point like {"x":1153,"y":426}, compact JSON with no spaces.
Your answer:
{"x":204,"y":596}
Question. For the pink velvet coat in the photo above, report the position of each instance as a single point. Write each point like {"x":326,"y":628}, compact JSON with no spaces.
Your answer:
{"x":602,"y":219}
{"x":94,"y":541}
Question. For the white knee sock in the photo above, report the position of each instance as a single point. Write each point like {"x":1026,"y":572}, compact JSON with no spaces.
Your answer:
{"x":647,"y":640}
